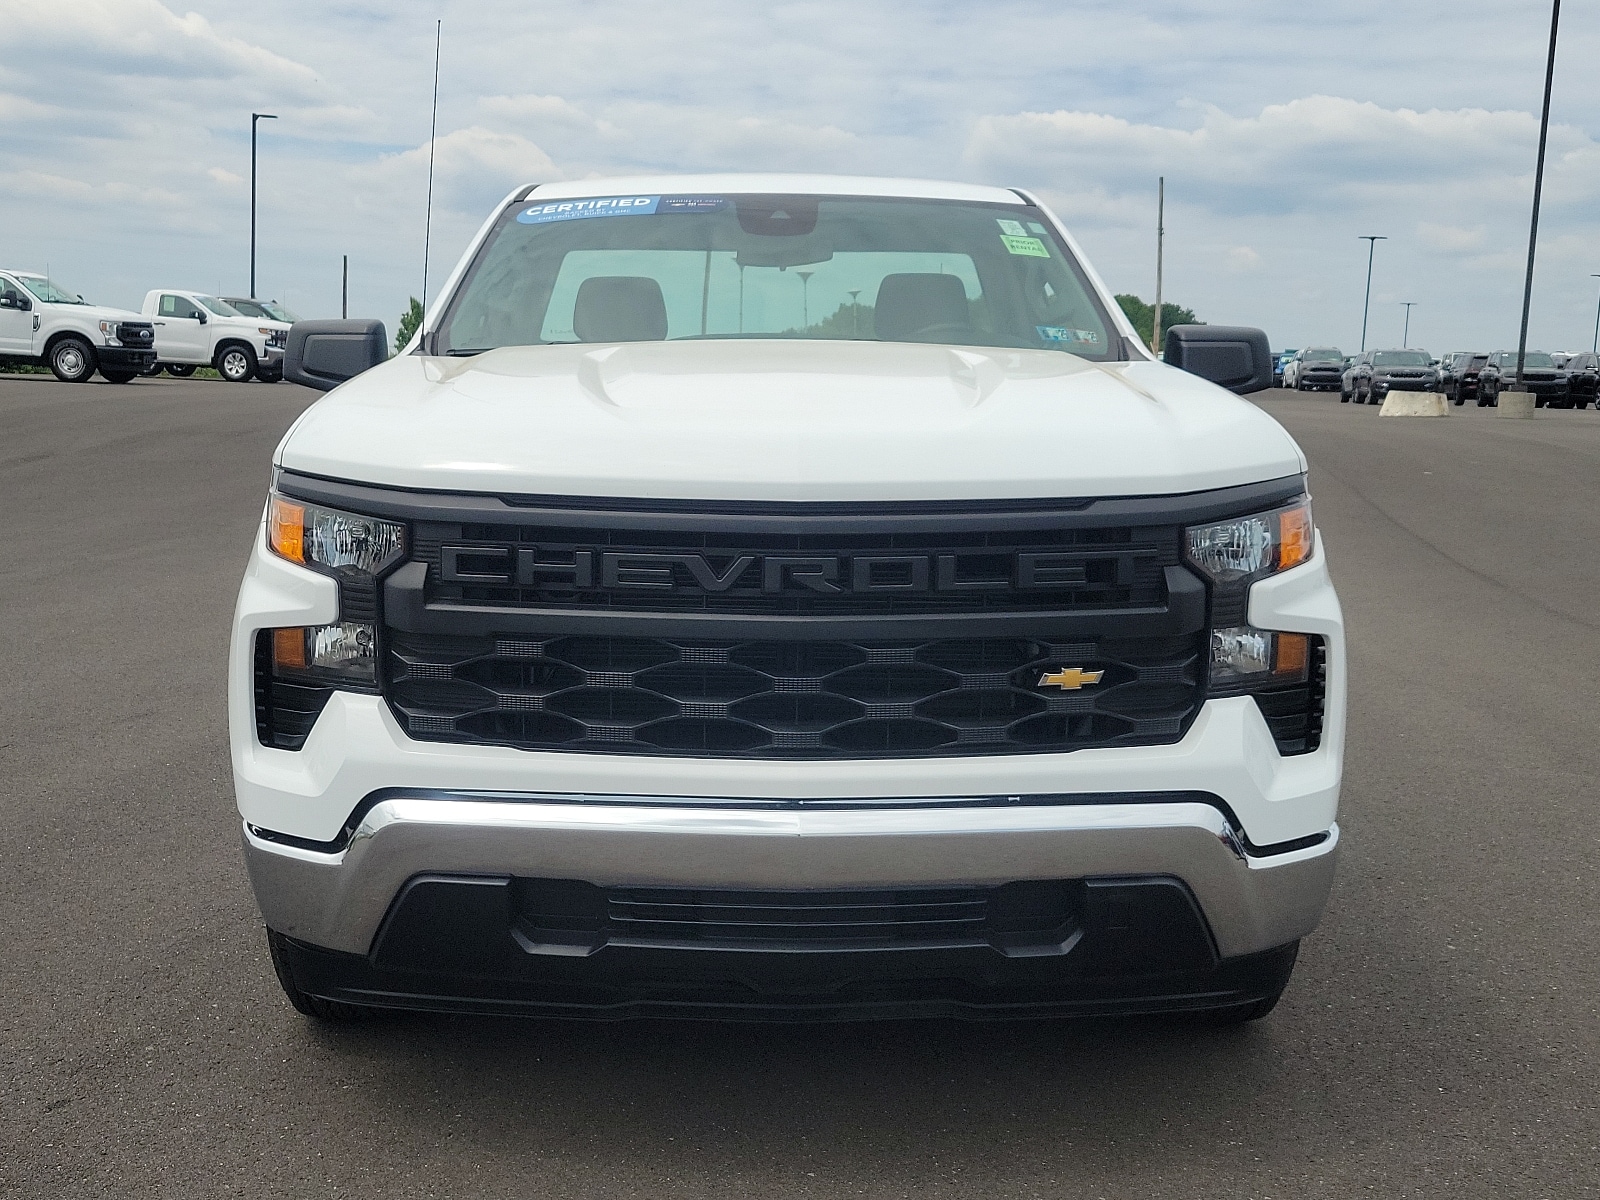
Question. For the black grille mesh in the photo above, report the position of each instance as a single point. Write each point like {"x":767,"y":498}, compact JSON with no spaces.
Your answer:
{"x":783,"y":699}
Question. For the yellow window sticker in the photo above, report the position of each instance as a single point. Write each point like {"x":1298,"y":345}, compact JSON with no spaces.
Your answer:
{"x":1014,"y":228}
{"x":1032,"y":247}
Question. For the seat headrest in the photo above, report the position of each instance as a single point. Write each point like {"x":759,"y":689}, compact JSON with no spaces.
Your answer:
{"x":911,"y":301}
{"x":619,"y":308}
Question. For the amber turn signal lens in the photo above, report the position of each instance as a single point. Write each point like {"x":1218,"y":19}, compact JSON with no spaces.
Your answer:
{"x":1293,"y":656}
{"x":1295,"y":536}
{"x":289,"y":648}
{"x":286,"y":529}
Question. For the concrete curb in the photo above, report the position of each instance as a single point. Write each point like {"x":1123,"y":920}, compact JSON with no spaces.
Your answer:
{"x":1414,"y":404}
{"x":1514,"y":404}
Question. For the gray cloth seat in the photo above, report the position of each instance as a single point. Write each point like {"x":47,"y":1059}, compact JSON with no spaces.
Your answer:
{"x":620,"y":308}
{"x":911,"y":301}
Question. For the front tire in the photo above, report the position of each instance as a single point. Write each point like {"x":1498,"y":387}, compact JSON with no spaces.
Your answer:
{"x":236,"y":364}
{"x":306,"y":1005}
{"x":180,"y":370}
{"x":72,"y":360}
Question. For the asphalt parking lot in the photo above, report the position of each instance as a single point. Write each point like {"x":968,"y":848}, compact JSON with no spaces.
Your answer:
{"x":1440,"y":1036}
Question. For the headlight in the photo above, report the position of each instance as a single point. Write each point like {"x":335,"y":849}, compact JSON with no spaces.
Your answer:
{"x":1246,"y":659}
{"x":334,"y":542}
{"x":343,"y":654}
{"x":1250,"y":548}
{"x":108,"y":330}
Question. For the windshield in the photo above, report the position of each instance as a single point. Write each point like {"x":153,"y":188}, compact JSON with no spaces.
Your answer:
{"x":1533,"y":358}
{"x":1401,"y":358}
{"x":1322,"y":356}
{"x":247,"y":308}
{"x":278,"y":312}
{"x":830,"y":268}
{"x":48,"y":292}
{"x":218,"y":307}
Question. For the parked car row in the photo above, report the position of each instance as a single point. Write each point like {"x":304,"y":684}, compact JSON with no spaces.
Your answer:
{"x":1556,"y":380}
{"x":177,"y":331}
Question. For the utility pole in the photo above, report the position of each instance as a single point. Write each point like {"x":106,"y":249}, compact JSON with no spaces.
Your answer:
{"x":1596,"y":347}
{"x":855,"y":313}
{"x":1405,"y":338}
{"x":1538,"y":188}
{"x":433,"y":137}
{"x":254,"y":117}
{"x":344,"y":291}
{"x":805,"y":298}
{"x":1161,"y":232}
{"x":1372,"y":240}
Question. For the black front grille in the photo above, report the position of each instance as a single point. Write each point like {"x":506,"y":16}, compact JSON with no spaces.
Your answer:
{"x":778,"y":699}
{"x":556,"y":913}
{"x":883,"y":573}
{"x":138,"y":334}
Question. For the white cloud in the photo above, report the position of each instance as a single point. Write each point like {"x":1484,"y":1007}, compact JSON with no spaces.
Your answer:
{"x":1241,"y":259}
{"x":225,"y":177}
{"x":1450,"y":237}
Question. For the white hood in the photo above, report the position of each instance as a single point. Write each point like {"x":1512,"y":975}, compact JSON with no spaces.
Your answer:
{"x":787,"y":420}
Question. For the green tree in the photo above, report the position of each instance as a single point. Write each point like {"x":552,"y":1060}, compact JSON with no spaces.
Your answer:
{"x":412,"y":318}
{"x":1142,"y":314}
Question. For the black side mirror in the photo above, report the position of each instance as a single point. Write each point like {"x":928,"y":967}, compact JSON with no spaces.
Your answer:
{"x":16,"y":300}
{"x":1231,"y":356}
{"x":201,"y":317}
{"x":323,"y":354}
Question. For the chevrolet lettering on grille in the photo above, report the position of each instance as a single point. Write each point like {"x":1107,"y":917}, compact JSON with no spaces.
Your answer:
{"x":609,"y":570}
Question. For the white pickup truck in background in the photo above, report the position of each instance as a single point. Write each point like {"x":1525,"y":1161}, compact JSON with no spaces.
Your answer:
{"x":42,"y":323}
{"x":193,"y":329}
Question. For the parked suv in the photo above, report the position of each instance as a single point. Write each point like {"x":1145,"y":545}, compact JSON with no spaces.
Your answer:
{"x":41,"y":322}
{"x":1314,"y":370}
{"x":1583,"y":376}
{"x":1458,"y":374}
{"x":1540,"y":375}
{"x":1376,"y":373}
{"x":656,"y":634}
{"x":194,"y":329}
{"x":269,"y":310}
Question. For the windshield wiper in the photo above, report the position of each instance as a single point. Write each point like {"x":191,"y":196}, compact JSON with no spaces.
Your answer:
{"x":467,"y":352}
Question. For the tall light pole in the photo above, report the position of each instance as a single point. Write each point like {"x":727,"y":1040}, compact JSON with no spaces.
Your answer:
{"x":1596,"y":346}
{"x":1538,"y":188}
{"x":254,"y":117}
{"x":1372,"y":240}
{"x":1161,"y":233}
{"x":855,"y":313}
{"x":1405,"y":338}
{"x":805,"y":298}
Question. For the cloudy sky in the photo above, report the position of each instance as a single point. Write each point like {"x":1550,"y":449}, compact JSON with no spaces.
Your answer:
{"x":1284,"y":132}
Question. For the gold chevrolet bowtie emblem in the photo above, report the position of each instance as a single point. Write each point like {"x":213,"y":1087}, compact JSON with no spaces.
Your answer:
{"x":1070,"y":679}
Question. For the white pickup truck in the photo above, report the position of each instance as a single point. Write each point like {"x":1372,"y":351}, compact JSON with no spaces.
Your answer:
{"x":193,"y":329}
{"x":42,"y":323}
{"x":795,"y":597}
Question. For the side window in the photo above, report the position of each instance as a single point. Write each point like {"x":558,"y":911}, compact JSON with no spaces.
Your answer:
{"x":178,"y":306}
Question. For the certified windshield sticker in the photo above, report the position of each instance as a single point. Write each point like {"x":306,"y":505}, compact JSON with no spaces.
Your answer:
{"x":1036,"y":227}
{"x":578,"y":210}
{"x":1060,"y":333}
{"x":1030,"y":247}
{"x":691,"y":204}
{"x":1014,"y":228}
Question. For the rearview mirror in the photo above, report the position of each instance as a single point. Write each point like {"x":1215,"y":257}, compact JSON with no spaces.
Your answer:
{"x":1231,"y":356}
{"x":323,"y":354}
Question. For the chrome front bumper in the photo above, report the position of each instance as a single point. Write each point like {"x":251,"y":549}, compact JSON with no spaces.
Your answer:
{"x":336,"y":896}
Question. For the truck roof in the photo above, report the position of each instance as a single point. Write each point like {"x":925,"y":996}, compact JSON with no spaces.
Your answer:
{"x":821,"y":185}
